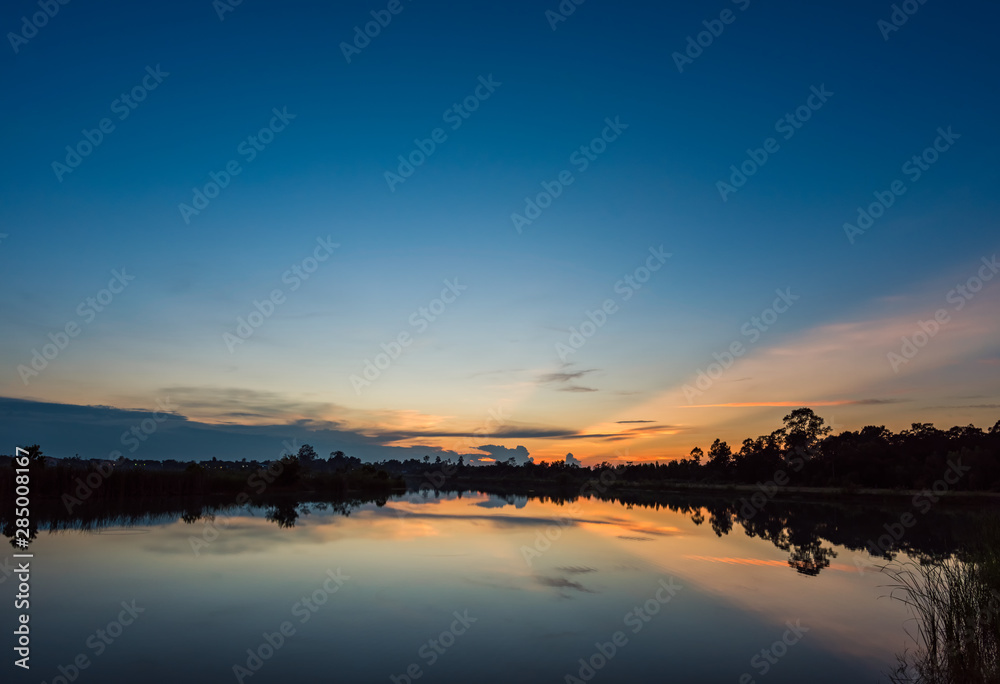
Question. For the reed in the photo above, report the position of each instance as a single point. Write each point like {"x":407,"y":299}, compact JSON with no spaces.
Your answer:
{"x":955,"y":603}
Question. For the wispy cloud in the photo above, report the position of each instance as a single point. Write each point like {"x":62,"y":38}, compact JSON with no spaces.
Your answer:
{"x":565,"y":378}
{"x":798,"y":404}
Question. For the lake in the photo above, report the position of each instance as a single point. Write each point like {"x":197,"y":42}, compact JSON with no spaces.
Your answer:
{"x":475,"y":587}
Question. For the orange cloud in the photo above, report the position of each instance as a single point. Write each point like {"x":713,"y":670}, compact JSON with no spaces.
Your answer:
{"x":752,"y":404}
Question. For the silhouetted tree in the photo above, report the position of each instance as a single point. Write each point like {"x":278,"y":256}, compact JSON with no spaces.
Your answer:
{"x":291,"y":470}
{"x":307,"y":455}
{"x":696,"y":455}
{"x":804,"y":428}
{"x":36,"y":459}
{"x":720,"y":456}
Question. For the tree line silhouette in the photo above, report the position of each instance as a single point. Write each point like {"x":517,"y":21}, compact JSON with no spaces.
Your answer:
{"x":801,"y":453}
{"x":77,"y":482}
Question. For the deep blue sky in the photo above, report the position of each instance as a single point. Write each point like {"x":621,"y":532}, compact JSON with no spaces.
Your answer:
{"x":656,"y":185}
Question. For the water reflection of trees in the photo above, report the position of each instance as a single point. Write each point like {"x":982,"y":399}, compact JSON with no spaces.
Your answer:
{"x":809,"y":531}
{"x":805,"y":552}
{"x":284,"y":514}
{"x":9,"y":529}
{"x":806,"y":531}
{"x":101,"y":514}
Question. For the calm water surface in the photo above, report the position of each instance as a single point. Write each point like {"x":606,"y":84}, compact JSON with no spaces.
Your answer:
{"x":471,"y":588}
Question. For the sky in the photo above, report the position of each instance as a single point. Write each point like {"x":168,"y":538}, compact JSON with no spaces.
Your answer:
{"x":617,"y":230}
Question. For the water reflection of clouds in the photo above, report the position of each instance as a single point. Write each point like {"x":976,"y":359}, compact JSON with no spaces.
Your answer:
{"x":616,"y":526}
{"x":416,"y":551}
{"x":250,"y":535}
{"x":783,"y":564}
{"x":122,"y":530}
{"x":239,"y":535}
{"x":576,"y":570}
{"x":563,"y":583}
{"x":499,"y":502}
